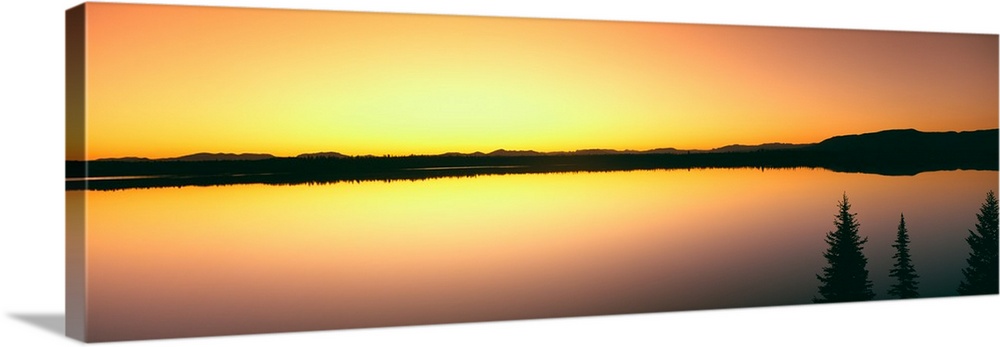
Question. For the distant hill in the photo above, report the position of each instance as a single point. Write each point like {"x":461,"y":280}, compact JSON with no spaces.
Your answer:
{"x":600,"y":151}
{"x":124,"y":159}
{"x":910,"y":140}
{"x":908,"y":151}
{"x":751,"y":148}
{"x":220,"y":156}
{"x":197,"y":157}
{"x":506,"y":153}
{"x":321,"y":155}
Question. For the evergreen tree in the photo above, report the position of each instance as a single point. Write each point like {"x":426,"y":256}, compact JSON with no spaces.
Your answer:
{"x":902,"y":270}
{"x":981,"y":273}
{"x":846,"y":277}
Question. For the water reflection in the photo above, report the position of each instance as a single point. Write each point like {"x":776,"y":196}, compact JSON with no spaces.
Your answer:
{"x":252,"y":258}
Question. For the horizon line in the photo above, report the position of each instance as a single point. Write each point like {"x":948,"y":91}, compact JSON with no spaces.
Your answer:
{"x":619,"y":151}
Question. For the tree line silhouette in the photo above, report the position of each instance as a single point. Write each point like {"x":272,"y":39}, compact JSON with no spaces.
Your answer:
{"x":845,"y":278}
{"x":156,"y":173}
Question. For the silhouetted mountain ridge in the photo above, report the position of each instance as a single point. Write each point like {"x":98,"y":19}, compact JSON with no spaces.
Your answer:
{"x":321,"y":155}
{"x":892,"y":152}
{"x":908,"y":151}
{"x":895,"y":140}
{"x":202,"y":156}
{"x":222,"y":156}
{"x":762,"y":147}
{"x":911,"y":140}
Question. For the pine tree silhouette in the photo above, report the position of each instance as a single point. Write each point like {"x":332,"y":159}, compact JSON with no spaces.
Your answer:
{"x":981,"y":273}
{"x":846,"y":279}
{"x":902,"y":270}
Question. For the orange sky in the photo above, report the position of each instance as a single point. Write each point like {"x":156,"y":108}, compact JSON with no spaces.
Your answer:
{"x":166,"y":81}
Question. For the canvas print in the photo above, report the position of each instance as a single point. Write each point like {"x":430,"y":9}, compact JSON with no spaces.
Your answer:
{"x":240,"y":170}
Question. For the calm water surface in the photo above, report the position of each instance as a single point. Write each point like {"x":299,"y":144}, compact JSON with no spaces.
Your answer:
{"x":193,"y":261}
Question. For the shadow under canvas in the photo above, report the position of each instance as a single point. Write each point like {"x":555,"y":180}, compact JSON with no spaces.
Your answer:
{"x":51,"y":322}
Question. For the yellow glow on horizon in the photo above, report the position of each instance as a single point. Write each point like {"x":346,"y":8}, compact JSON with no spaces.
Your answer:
{"x":166,"y":81}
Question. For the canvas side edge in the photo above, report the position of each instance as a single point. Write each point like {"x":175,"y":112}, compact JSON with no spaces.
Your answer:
{"x":75,"y":200}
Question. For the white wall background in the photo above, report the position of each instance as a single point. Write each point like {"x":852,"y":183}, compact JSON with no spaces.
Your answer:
{"x":31,"y":192}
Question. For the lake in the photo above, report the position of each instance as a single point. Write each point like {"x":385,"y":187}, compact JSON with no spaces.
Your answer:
{"x":191,"y":261}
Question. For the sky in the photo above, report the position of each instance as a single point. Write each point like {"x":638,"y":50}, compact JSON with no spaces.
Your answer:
{"x":165,"y":81}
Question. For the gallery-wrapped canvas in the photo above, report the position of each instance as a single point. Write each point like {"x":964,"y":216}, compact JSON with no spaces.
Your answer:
{"x":240,"y":170}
